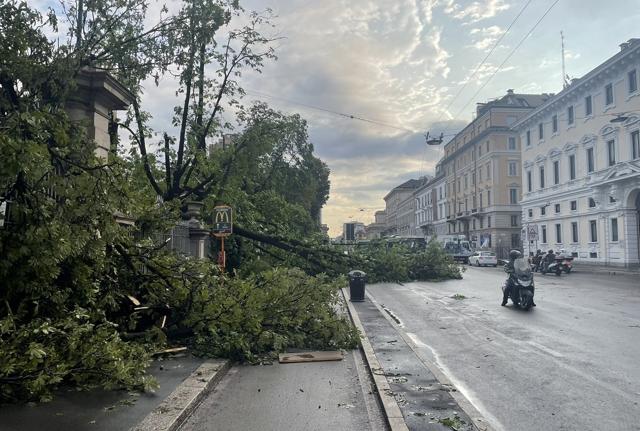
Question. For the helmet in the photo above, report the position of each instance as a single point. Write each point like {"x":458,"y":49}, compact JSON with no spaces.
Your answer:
{"x":515,"y":254}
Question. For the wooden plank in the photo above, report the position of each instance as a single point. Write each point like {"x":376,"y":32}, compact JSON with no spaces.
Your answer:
{"x":170,"y":351}
{"x":291,"y":358}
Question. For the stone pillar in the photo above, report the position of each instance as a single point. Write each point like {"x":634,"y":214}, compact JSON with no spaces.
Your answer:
{"x":97,"y":96}
{"x":198,"y":234}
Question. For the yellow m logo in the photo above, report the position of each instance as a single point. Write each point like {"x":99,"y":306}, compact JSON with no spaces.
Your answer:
{"x":222,"y":216}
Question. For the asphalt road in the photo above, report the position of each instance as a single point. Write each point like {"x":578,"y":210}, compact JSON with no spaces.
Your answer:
{"x":571,"y":363}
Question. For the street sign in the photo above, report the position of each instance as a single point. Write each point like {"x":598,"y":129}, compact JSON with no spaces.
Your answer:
{"x":532,"y":232}
{"x":222,"y":221}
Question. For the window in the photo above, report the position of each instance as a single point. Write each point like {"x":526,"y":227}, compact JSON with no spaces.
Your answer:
{"x":474,"y":224}
{"x":554,"y":123}
{"x":574,"y":232}
{"x":572,"y":167}
{"x":528,"y":138}
{"x":481,"y":222}
{"x":590,"y":160}
{"x":466,"y":182}
{"x":479,"y":151}
{"x":488,"y":197}
{"x":542,"y":177}
{"x":489,"y":221}
{"x":592,"y":203}
{"x":530,"y":213}
{"x":514,"y":221}
{"x":558,"y":233}
{"x":544,"y":234}
{"x":488,"y":171}
{"x":513,"y":169}
{"x":529,"y":184}
{"x":557,"y":208}
{"x":512,"y":143}
{"x":556,"y":172}
{"x":635,"y":144}
{"x":633,"y":81}
{"x":487,"y":146}
{"x":480,"y":175}
{"x":608,"y":94}
{"x":588,"y":106}
{"x":540,"y":131}
{"x":570,"y":116}
{"x":543,"y":211}
{"x":481,"y":200}
{"x":614,"y":229}
{"x":593,"y":227}
{"x":611,"y":152}
{"x":574,"y":205}
{"x":473,"y":179}
{"x":513,"y":196}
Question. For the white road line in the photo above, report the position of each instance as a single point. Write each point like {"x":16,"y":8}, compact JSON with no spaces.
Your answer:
{"x":546,"y":349}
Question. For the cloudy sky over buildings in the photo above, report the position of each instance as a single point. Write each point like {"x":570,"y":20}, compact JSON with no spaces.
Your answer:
{"x":400,"y":63}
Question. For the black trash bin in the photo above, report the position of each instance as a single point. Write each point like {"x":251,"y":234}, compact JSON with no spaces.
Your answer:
{"x":356,"y":285}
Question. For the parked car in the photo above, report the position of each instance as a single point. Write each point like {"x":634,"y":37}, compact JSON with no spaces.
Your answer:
{"x":483,"y":258}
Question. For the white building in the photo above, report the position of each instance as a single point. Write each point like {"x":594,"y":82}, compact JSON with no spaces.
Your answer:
{"x":425,"y":210}
{"x":581,"y":165}
{"x":400,"y":207}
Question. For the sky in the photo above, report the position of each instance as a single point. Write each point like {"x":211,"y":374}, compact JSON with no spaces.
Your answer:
{"x":407,"y":65}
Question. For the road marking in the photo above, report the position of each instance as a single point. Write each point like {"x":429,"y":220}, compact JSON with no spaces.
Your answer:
{"x":416,"y":340}
{"x":546,"y":349}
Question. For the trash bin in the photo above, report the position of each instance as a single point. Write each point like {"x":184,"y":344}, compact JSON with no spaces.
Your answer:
{"x":356,"y":285}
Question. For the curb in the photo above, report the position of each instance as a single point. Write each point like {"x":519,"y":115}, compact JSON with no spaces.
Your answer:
{"x":391,"y":409}
{"x":174,"y":410}
{"x":478,"y":419}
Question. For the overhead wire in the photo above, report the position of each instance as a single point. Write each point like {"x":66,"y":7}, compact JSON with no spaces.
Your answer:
{"x":484,"y":60}
{"x":526,"y":36}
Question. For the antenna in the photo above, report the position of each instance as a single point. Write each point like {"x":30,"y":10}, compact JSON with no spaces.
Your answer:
{"x":565,"y":84}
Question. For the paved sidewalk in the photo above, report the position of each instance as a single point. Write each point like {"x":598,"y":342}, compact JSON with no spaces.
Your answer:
{"x":311,"y":396}
{"x":425,"y":402}
{"x":98,"y":410}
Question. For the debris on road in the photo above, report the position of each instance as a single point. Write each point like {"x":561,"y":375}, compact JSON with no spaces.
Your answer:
{"x":291,"y":358}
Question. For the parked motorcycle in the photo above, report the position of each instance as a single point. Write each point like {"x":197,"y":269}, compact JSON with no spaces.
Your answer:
{"x":523,"y":287}
{"x":566,"y":264}
{"x":554,"y":267}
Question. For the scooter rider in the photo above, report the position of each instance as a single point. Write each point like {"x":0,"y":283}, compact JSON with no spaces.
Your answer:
{"x":549,"y":258}
{"x":510,"y":269}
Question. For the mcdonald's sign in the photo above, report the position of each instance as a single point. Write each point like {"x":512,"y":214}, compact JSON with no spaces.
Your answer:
{"x":222,"y":221}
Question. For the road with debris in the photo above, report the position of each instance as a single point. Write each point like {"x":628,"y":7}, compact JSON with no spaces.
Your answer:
{"x":571,"y":363}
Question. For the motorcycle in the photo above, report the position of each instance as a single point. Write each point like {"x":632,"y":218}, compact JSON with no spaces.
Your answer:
{"x":555,"y":266}
{"x":566,"y":264}
{"x":521,"y":293}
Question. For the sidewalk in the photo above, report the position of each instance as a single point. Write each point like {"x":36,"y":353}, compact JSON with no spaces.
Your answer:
{"x":425,"y":400}
{"x":605,"y":269}
{"x":310,"y":396}
{"x":99,"y":410}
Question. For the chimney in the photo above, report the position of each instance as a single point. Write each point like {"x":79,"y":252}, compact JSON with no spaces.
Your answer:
{"x":624,"y":46}
{"x":510,"y":92}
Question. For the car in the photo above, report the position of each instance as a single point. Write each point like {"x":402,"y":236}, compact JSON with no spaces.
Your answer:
{"x":483,"y":258}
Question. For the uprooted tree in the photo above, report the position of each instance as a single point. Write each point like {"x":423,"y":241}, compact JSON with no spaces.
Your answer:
{"x":68,"y":269}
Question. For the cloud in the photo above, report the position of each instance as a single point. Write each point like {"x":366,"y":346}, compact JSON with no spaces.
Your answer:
{"x":485,"y":37}
{"x":476,"y":11}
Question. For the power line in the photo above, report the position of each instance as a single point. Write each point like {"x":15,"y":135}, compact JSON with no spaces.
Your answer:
{"x":341,"y":114}
{"x":484,"y":60}
{"x":507,"y":58}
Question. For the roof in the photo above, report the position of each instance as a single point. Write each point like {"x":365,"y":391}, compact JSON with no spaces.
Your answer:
{"x":630,"y":47}
{"x":411,"y":184}
{"x":513,"y":100}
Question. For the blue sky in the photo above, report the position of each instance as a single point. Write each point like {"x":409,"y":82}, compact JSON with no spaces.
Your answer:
{"x":400,"y":62}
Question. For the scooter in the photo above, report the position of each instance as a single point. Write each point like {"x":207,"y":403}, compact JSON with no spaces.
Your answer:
{"x":552,"y":267}
{"x":566,"y":264}
{"x":521,"y":294}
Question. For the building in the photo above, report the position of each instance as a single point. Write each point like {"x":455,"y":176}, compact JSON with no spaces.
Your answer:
{"x":400,"y":207}
{"x":425,"y":209}
{"x":440,"y":225}
{"x":581,"y":165}
{"x":377,"y":228}
{"x":481,"y":170}
{"x":353,"y":231}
